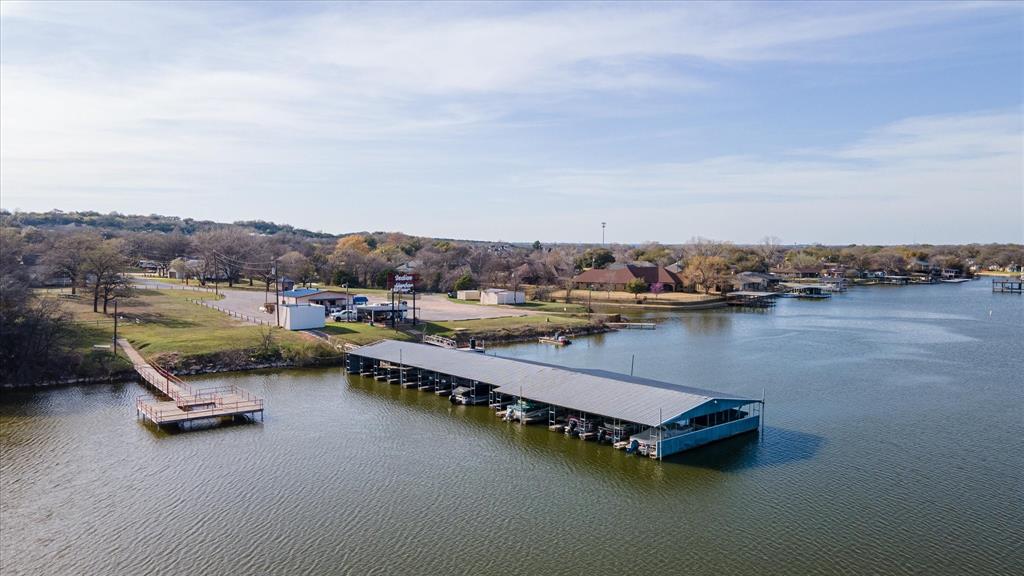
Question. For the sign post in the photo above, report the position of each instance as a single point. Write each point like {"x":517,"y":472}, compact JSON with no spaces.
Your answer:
{"x":402,"y":284}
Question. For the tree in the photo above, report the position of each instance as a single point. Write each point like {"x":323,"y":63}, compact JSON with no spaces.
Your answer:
{"x":34,"y":339}
{"x":226,"y":253}
{"x":636,"y":286}
{"x":297,"y":267}
{"x":594,"y":258}
{"x":105,"y":267}
{"x":537,"y":245}
{"x":704,"y":272}
{"x":465,"y":282}
{"x":354,"y":242}
{"x":769,"y":252}
{"x":66,"y":258}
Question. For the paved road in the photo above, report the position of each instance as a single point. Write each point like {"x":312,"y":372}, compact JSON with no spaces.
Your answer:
{"x":431,"y":307}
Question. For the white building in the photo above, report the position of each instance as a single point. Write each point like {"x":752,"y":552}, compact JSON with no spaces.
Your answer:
{"x":495,"y":296}
{"x":302,"y":316}
{"x":468,"y":294}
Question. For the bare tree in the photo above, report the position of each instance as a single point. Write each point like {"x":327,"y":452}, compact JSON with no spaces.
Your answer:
{"x":105,"y":267}
{"x":67,"y":257}
{"x":226,"y":252}
{"x":769,"y":252}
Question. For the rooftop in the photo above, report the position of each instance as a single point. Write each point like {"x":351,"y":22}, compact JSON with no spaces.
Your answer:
{"x":629,"y":398}
{"x":299,"y":292}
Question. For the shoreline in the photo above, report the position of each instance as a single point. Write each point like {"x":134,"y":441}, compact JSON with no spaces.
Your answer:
{"x":228,"y":361}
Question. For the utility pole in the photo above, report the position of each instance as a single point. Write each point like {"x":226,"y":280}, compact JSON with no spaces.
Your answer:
{"x":277,"y":291}
{"x":114,"y":342}
{"x":603,"y":224}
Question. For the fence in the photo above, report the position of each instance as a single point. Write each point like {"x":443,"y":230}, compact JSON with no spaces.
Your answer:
{"x":251,"y":319}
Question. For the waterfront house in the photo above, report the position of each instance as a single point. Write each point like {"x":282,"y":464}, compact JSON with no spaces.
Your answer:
{"x":752,"y":281}
{"x":617,"y":276}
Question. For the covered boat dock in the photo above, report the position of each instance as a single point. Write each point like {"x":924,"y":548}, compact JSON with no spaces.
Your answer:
{"x":650,"y":417}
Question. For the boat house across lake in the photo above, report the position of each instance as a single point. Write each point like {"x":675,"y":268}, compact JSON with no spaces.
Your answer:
{"x":654,"y":418}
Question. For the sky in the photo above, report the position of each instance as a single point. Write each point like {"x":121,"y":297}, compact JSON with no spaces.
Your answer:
{"x":829,"y":123}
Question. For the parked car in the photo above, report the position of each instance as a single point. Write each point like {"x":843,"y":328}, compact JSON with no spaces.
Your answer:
{"x":345,"y":316}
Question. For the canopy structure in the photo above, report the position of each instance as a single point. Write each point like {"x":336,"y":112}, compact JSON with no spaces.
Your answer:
{"x":629,"y":398}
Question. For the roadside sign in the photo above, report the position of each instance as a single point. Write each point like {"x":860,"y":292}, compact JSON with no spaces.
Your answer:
{"x":402,"y":283}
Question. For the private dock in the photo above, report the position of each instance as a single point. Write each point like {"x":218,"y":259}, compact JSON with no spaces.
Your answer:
{"x":632,"y":325}
{"x":751,"y":299}
{"x":178,"y":402}
{"x":640,"y":415}
{"x":1008,"y":285}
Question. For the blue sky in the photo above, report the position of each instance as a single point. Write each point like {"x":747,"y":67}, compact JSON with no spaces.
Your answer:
{"x":833,"y":123}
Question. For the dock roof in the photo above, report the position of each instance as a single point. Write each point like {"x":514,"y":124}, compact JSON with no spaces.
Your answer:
{"x":633,"y":399}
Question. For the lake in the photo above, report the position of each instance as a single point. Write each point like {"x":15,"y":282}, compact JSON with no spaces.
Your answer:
{"x":893,"y":444}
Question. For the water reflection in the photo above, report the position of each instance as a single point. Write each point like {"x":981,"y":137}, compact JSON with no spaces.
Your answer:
{"x":773,"y":447}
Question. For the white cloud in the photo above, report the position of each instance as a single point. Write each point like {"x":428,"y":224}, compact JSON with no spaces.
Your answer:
{"x":225,"y":100}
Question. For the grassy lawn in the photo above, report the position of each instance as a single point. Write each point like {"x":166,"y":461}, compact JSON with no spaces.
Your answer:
{"x":164,"y":321}
{"x":360,"y":333}
{"x":450,"y":327}
{"x":602,"y":296}
{"x":552,"y":307}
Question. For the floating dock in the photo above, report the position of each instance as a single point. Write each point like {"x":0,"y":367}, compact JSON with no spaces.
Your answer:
{"x":632,"y":325}
{"x":644,"y":416}
{"x":180,"y":402}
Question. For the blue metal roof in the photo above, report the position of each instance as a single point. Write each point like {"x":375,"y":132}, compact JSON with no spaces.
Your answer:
{"x":300,"y":292}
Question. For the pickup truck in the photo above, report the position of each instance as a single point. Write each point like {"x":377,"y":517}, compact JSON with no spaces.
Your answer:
{"x":345,"y":316}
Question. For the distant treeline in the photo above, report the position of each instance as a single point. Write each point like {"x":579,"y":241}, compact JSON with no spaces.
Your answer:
{"x":139,"y":223}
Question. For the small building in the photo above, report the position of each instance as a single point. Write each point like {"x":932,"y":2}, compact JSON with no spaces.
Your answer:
{"x":326,"y":298}
{"x":495,"y":296}
{"x":302,"y":316}
{"x":468,"y":294}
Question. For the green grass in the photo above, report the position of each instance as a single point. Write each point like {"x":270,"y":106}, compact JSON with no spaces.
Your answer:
{"x":164,"y":321}
{"x":360,"y":333}
{"x":508,"y":323}
{"x":552,"y":307}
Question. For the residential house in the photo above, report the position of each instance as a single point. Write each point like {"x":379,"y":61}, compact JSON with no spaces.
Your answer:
{"x":617,"y":276}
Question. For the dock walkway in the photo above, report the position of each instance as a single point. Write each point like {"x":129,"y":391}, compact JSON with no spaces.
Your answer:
{"x":180,"y":402}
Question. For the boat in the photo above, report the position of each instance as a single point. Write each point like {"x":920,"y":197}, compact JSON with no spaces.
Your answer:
{"x":558,"y":340}
{"x":469,"y":396}
{"x":580,"y":427}
{"x":955,"y":280}
{"x":526,"y":412}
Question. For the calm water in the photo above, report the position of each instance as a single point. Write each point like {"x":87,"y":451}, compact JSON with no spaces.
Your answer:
{"x":893,"y":446}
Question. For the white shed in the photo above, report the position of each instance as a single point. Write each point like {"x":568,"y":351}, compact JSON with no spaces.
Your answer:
{"x":302,"y":316}
{"x":496,"y":296}
{"x":468,"y":294}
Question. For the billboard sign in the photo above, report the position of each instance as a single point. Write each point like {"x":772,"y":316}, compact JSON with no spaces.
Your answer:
{"x":402,"y":283}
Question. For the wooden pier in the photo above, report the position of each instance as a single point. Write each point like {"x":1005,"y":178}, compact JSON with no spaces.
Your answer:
{"x":1008,"y":285}
{"x":178,"y":402}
